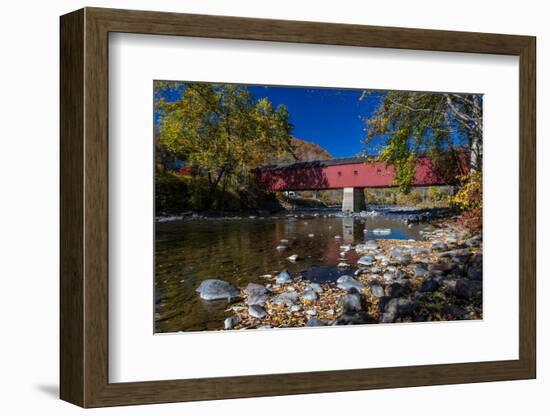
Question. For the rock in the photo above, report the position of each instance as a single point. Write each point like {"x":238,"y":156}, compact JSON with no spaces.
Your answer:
{"x":257,"y":299}
{"x":396,"y":251}
{"x":295,"y":308}
{"x":338,"y":237}
{"x":314,"y":322}
{"x":360,"y":248}
{"x":474,"y":241}
{"x":316,"y":287}
{"x":284,"y":241}
{"x":454,"y":311}
{"x":382,"y":231}
{"x":294,"y":257}
{"x":438,"y":245}
{"x":311,"y":312}
{"x":440,"y":268}
{"x":256,"y":311}
{"x":475,"y":273}
{"x":463,"y":289}
{"x":346,"y":247}
{"x":403,"y":258}
{"x":266,"y":276}
{"x":343,"y":265}
{"x":420,"y":296}
{"x":388,"y":277}
{"x":255,"y":289}
{"x":286,"y":298}
{"x":400,"y":275}
{"x":420,"y":271}
{"x":371,"y":245}
{"x":214,"y":289}
{"x":396,"y":290}
{"x":311,"y":235}
{"x":230,"y":322}
{"x":309,"y":295}
{"x":398,"y":308}
{"x":429,"y":285}
{"x":376,"y":290}
{"x":449,"y":285}
{"x":460,"y":254}
{"x":347,"y":282}
{"x":283,"y":278}
{"x":357,"y":318}
{"x":366,"y":260}
{"x":361,"y":270}
{"x":281,"y":247}
{"x":418,"y":250}
{"x":351,"y":301}
{"x":451,"y":240}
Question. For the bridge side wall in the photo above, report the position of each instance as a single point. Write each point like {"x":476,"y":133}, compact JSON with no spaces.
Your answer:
{"x":356,"y":175}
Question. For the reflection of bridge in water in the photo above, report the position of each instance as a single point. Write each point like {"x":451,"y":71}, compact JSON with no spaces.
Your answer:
{"x":350,"y":174}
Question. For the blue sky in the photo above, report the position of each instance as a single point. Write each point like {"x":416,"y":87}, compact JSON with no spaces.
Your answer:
{"x":330,"y":117}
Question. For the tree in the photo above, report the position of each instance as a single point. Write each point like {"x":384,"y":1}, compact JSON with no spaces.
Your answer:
{"x":408,"y":124}
{"x":222,"y":130}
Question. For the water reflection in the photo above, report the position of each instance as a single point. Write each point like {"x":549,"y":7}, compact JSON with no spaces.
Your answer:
{"x":241,"y":250}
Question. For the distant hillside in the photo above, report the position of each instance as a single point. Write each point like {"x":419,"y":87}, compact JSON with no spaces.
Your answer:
{"x":304,"y":151}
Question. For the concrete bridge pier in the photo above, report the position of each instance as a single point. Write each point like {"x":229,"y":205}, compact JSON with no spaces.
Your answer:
{"x":353,"y":200}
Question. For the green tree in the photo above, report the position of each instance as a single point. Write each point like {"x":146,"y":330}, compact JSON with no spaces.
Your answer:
{"x":408,"y":124}
{"x":222,"y":130}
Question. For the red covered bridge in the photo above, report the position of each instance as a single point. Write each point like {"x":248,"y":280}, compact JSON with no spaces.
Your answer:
{"x":350,"y":174}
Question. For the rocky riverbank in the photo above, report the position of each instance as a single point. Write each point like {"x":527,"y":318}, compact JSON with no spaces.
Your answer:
{"x":436,"y":278}
{"x":409,"y":215}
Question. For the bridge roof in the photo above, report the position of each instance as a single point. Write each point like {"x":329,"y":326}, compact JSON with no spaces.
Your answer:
{"x":313,"y":163}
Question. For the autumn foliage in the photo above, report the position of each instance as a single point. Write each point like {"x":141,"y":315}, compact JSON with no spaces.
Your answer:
{"x":469,"y":199}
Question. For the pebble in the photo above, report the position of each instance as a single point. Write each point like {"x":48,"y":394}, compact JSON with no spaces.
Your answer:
{"x":256,"y":311}
{"x":309,"y":295}
{"x":366,"y":260}
{"x":230,"y":322}
{"x":351,"y":301}
{"x":255,"y":289}
{"x":347,"y":282}
{"x":377,"y":290}
{"x":283,"y":277}
{"x":294,"y":257}
{"x":286,"y":298}
{"x":316,"y":287}
{"x":214,"y":289}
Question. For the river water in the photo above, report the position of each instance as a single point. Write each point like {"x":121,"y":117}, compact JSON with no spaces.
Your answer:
{"x":241,"y":250}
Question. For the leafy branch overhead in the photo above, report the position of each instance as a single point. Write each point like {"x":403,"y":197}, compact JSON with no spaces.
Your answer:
{"x":442,"y":126}
{"x":222,"y":129}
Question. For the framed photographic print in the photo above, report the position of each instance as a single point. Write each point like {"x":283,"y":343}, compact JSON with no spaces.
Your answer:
{"x":237,"y":194}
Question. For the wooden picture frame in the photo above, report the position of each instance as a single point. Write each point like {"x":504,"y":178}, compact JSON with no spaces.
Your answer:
{"x":84,"y":207}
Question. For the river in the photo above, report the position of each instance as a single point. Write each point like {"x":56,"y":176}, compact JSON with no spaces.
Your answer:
{"x":241,"y":250}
